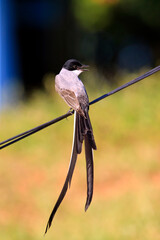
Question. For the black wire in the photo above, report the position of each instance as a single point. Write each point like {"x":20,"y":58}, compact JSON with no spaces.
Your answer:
{"x":20,"y":136}
{"x":147,"y":74}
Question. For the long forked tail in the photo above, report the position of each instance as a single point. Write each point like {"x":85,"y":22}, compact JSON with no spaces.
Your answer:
{"x":69,"y":174}
{"x":86,"y":133}
{"x":82,"y":131}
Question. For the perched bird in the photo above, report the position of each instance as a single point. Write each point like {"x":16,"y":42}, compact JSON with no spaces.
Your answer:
{"x":72,"y":90}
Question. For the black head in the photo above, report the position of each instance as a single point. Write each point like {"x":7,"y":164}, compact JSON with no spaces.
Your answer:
{"x":73,"y":64}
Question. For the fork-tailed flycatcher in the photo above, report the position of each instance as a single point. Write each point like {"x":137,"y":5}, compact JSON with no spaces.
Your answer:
{"x":72,"y":90}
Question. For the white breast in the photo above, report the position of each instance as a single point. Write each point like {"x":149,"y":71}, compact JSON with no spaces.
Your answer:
{"x":69,"y":80}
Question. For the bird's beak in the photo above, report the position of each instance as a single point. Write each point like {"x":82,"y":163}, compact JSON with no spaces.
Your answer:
{"x":84,"y":68}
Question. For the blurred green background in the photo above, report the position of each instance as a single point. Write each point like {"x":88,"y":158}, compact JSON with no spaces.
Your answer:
{"x":127,"y":168}
{"x":120,"y":41}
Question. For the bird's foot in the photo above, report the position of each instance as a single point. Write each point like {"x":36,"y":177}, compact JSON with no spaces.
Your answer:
{"x":71,"y":111}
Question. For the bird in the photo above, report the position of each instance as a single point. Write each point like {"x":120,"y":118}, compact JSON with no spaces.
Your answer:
{"x":71,"y":89}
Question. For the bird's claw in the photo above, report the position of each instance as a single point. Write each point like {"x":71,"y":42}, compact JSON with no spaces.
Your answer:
{"x":71,"y":111}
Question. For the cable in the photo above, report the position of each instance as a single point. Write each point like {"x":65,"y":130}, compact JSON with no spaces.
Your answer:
{"x":20,"y":136}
